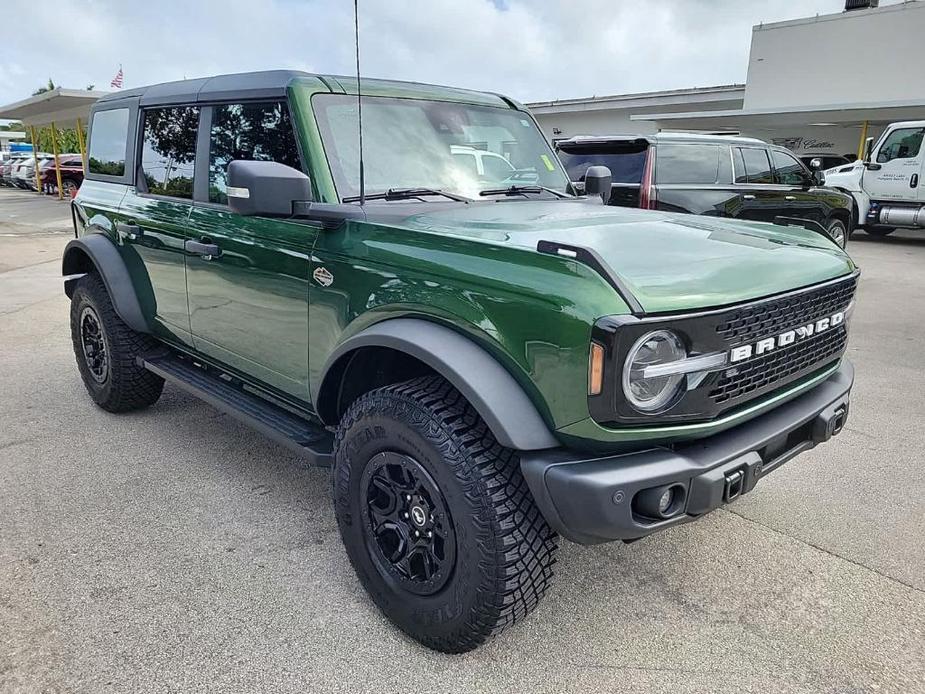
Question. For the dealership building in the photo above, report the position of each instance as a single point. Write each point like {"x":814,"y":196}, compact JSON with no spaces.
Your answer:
{"x":818,"y":85}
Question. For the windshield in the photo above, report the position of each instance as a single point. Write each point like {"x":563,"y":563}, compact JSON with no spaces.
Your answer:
{"x":411,"y":143}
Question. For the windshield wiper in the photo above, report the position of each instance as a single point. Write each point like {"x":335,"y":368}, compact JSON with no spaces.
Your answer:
{"x":524,"y":190}
{"x":405,"y":193}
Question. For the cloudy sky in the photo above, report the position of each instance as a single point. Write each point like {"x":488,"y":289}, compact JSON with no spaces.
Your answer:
{"x":530,"y":49}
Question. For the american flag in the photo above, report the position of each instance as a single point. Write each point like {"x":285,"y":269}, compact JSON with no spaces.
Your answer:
{"x":117,"y":80}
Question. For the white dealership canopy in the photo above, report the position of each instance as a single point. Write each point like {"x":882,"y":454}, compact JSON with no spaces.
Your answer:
{"x":58,"y":108}
{"x":61,"y":107}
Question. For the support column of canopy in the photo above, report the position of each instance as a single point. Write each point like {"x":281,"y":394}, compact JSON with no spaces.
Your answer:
{"x":35,"y":158}
{"x":54,"y":149}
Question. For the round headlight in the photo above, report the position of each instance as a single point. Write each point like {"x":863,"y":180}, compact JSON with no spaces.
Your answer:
{"x":657,"y":393}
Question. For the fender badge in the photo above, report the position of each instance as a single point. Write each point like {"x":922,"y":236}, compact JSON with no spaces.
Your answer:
{"x":323,"y":277}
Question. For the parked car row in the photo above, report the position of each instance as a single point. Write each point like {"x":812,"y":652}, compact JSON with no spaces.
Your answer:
{"x":17,"y":170}
{"x":72,"y":174}
{"x":718,"y":176}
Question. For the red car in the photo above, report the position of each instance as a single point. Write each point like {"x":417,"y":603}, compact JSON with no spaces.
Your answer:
{"x":72,"y":174}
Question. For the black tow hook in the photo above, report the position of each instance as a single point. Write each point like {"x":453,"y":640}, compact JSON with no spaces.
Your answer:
{"x":735,"y":481}
{"x":838,"y":421}
{"x":830,"y":422}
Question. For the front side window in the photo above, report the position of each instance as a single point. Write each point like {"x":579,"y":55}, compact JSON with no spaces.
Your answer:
{"x":256,"y":132}
{"x":108,"y":142}
{"x":688,"y":163}
{"x":789,"y":169}
{"x":753,"y":166}
{"x":416,"y":143}
{"x":168,"y":154}
{"x":904,"y":143}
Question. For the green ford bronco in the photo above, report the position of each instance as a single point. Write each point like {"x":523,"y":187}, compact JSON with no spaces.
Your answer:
{"x":486,"y":360}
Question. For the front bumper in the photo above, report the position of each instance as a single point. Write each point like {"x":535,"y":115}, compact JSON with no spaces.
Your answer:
{"x":592,"y":500}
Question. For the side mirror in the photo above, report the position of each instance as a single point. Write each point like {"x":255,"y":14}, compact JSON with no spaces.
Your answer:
{"x":265,"y":188}
{"x":815,"y":164}
{"x":818,"y":178}
{"x":599,"y":181}
{"x":868,"y":148}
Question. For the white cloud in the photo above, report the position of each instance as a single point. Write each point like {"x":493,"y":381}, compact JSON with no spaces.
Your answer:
{"x":529,"y":49}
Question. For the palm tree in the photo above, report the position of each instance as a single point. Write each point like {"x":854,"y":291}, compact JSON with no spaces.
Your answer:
{"x":42,"y":90}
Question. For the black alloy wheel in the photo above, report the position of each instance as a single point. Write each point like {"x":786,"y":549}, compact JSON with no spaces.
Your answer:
{"x":93,"y":342}
{"x":408,"y":527}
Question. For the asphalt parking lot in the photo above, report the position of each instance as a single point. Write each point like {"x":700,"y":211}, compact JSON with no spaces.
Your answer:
{"x":171,"y":550}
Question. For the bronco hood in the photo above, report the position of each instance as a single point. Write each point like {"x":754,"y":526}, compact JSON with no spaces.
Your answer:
{"x":670,"y":262}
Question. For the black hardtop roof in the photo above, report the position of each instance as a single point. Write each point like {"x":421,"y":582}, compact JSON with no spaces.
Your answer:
{"x":255,"y":85}
{"x":272,"y":84}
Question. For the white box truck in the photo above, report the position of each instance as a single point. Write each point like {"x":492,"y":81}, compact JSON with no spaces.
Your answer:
{"x":887,"y":183}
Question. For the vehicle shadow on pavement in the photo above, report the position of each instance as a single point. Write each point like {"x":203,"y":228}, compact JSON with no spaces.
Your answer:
{"x":898,"y":238}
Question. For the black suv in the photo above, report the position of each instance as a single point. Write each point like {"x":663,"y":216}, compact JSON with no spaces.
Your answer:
{"x":711,"y":175}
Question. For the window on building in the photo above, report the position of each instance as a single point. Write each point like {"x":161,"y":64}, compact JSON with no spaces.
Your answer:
{"x":904,"y":143}
{"x":788,"y":169}
{"x":688,"y":163}
{"x":168,"y":154}
{"x":255,"y":132}
{"x":753,"y":166}
{"x":108,"y":140}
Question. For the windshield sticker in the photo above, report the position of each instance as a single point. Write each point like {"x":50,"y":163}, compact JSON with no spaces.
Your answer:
{"x":548,"y":162}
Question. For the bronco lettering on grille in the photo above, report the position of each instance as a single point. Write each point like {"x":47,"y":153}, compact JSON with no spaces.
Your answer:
{"x":802,"y":332}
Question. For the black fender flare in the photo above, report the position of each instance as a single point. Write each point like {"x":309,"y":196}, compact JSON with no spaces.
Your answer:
{"x":483,"y":381}
{"x":107,"y":261}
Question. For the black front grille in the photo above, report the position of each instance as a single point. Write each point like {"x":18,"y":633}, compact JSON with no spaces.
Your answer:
{"x":720,"y":331}
{"x":779,"y":366}
{"x":757,"y":321}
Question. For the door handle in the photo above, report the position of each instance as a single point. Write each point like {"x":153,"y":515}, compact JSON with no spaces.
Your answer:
{"x":131,"y":232}
{"x":748,"y":196}
{"x":914,"y":181}
{"x":790,"y":197}
{"x":203,"y":248}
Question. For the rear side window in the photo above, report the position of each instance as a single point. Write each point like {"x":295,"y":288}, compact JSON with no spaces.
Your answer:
{"x":625,"y":161}
{"x":108,"y":141}
{"x":257,"y":132}
{"x":752,"y":166}
{"x":684,"y":163}
{"x":168,"y":154}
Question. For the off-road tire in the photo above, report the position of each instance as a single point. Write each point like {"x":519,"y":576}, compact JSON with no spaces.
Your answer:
{"x":126,"y":385}
{"x":504,"y":550}
{"x":879,"y":231}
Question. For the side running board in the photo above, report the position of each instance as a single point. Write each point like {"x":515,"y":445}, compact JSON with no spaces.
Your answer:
{"x":278,"y":423}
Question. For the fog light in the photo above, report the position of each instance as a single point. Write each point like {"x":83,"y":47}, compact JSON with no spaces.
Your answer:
{"x":665,"y":500}
{"x":660,"y":502}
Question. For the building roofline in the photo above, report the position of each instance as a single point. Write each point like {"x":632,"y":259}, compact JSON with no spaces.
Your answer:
{"x":692,"y":91}
{"x":845,"y":14}
{"x":855,"y":106}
